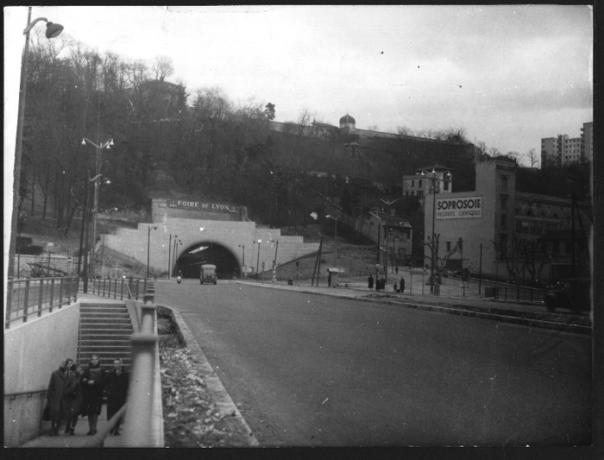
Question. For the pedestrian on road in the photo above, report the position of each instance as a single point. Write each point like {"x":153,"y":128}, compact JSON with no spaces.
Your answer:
{"x":116,"y":385}
{"x":92,"y":384}
{"x":328,"y":278}
{"x":72,"y":399}
{"x":55,"y":393}
{"x":370,"y":281}
{"x":402,"y":285}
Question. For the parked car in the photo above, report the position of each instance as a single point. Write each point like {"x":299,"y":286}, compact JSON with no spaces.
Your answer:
{"x":573,"y":293}
{"x":207,"y":274}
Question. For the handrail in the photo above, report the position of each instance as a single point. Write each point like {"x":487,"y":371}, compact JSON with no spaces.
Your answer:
{"x":23,"y":393}
{"x":143,"y":425}
{"x":28,"y":297}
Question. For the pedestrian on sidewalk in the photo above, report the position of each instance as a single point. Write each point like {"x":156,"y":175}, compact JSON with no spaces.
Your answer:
{"x":72,"y":400}
{"x":396,"y":269}
{"x":402,"y":285}
{"x":92,"y":384}
{"x":395,"y":287}
{"x":370,"y":282}
{"x":55,"y":394}
{"x":116,"y":385}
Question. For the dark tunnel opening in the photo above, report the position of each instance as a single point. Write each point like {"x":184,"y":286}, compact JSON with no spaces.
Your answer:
{"x":191,"y":260}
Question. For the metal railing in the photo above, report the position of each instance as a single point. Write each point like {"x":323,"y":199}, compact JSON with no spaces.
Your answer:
{"x":143,"y":418}
{"x":119,"y":288}
{"x":30,"y":297}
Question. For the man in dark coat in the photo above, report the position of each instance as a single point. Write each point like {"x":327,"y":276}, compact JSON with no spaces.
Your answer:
{"x":72,"y":399}
{"x":92,"y":384}
{"x":55,"y":393}
{"x":370,"y":281}
{"x":116,"y":385}
{"x":402,"y":285}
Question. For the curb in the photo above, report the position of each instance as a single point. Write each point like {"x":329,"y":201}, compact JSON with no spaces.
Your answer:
{"x":460,"y":310}
{"x":220,"y":396}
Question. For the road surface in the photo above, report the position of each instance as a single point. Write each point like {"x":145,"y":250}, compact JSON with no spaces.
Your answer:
{"x":313,"y":370}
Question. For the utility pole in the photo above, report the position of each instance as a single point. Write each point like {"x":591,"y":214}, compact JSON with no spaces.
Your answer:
{"x":480,"y":270}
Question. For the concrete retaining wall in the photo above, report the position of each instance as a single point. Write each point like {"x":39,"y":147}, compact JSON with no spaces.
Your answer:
{"x":32,"y":351}
{"x":230,"y":234}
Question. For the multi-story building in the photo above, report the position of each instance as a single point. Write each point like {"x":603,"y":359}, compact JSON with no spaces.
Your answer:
{"x":587,"y":142}
{"x":419,"y":184}
{"x":562,"y":150}
{"x":504,"y":233}
{"x":572,"y":151}
{"x":549,"y":152}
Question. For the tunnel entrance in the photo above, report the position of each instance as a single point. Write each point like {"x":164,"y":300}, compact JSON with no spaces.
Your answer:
{"x":194,"y":256}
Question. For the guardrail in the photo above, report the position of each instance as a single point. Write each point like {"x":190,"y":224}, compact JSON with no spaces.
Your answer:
{"x":34,"y":296}
{"x":119,"y":288}
{"x":143,"y":417}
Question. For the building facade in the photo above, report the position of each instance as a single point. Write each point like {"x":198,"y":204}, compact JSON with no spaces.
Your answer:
{"x":587,"y":142}
{"x":420,"y":183}
{"x":562,"y":150}
{"x":504,"y":232}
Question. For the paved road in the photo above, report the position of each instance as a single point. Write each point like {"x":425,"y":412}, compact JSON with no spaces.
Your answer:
{"x":309,"y":369}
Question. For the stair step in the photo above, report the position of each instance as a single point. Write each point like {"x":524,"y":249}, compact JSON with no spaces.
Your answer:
{"x":105,"y":320}
{"x":96,"y":324}
{"x":97,"y":332}
{"x":121,"y":312}
{"x":109,"y":306}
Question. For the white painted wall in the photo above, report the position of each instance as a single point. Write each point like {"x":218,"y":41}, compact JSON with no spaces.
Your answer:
{"x":32,"y":351}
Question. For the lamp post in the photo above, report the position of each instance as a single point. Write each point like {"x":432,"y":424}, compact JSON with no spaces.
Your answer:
{"x":177,"y":242}
{"x":97,"y":183}
{"x":335,"y":234}
{"x":433,"y":178}
{"x":149,"y":228}
{"x":242,"y":246}
{"x":258,"y":256}
{"x":52,"y":31}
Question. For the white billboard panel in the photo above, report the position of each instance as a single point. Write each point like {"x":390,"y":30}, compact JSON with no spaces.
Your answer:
{"x":459,"y":207}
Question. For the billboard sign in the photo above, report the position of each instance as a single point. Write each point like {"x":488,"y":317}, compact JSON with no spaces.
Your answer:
{"x":459,"y":207}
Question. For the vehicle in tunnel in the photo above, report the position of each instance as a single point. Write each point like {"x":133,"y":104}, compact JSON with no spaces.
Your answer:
{"x":207,"y":274}
{"x":192,"y":259}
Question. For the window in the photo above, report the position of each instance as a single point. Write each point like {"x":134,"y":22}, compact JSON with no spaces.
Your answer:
{"x":503,"y":221}
{"x":420,"y":183}
{"x":448,"y":246}
{"x":412,"y":183}
{"x":503,"y":244}
{"x":555,"y":247}
{"x":504,"y":182}
{"x":504,"y":201}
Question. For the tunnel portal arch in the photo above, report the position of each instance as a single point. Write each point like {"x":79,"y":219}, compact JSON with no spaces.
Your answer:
{"x":207,"y":252}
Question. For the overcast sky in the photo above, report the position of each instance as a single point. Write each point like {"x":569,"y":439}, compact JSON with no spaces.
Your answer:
{"x":508,"y":75}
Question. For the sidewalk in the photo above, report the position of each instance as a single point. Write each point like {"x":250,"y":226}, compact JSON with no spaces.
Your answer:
{"x":520,"y":313}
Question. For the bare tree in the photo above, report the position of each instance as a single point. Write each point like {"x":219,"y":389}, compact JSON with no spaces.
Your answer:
{"x":533,"y":158}
{"x":163,"y":67}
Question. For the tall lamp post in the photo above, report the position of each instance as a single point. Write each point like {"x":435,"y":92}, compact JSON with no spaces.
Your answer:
{"x":149,"y":228}
{"x":335,"y":234}
{"x":433,"y":178}
{"x":97,"y":183}
{"x":259,"y":242}
{"x":52,"y":31}
{"x":177,"y":242}
{"x":242,"y":246}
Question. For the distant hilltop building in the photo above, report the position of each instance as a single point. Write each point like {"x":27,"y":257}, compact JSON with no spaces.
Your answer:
{"x":562,"y":150}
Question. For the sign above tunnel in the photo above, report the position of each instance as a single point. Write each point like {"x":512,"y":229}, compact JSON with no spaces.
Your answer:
{"x":202,"y":205}
{"x":200,"y":209}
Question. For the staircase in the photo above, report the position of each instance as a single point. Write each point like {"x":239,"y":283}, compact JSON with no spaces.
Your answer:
{"x":105,"y":330}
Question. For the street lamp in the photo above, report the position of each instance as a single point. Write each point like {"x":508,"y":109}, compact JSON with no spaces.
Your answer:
{"x":176,"y":243}
{"x":433,"y":177}
{"x":258,"y":256}
{"x":97,"y":182}
{"x":149,"y":228}
{"x":52,"y":30}
{"x":242,"y":246}
{"x":335,"y":233}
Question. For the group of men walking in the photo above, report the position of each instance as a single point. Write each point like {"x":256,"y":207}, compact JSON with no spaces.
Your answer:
{"x":74,"y":390}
